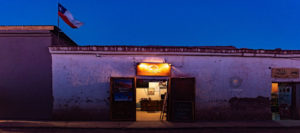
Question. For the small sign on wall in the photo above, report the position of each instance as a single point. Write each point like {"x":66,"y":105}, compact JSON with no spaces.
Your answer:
{"x":153,"y":69}
{"x":285,"y":73}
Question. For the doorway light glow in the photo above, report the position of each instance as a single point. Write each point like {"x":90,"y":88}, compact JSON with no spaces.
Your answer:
{"x":153,"y":69}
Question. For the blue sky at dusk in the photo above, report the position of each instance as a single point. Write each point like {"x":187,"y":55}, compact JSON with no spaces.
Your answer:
{"x":257,"y":24}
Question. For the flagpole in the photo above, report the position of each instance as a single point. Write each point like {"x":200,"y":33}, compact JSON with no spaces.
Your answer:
{"x":58,"y":22}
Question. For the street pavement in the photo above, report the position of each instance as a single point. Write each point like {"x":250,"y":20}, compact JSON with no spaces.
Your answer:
{"x":17,"y":126}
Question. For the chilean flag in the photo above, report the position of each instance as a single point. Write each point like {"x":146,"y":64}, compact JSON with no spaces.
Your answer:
{"x":68,"y":17}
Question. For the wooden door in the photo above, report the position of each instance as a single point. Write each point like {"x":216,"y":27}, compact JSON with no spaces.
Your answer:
{"x":182,"y":99}
{"x":296,"y":99}
{"x":122,"y":99}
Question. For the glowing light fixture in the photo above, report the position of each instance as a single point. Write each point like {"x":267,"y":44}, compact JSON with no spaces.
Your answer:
{"x":153,"y":69}
{"x":275,"y":88}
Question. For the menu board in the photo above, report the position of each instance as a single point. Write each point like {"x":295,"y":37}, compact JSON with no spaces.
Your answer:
{"x":285,"y":73}
{"x":183,"y":111}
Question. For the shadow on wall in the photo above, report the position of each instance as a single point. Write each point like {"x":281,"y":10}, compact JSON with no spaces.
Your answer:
{"x":76,"y":113}
{"x":84,"y":103}
{"x":240,"y":109}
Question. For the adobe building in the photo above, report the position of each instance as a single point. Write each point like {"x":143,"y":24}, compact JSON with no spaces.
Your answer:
{"x":26,"y":71}
{"x":45,"y":75}
{"x":202,"y":83}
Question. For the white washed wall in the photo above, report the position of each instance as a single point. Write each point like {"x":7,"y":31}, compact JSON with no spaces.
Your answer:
{"x":81,"y":81}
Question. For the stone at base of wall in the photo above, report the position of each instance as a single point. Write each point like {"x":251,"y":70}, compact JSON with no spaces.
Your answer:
{"x":239,"y":109}
{"x":77,"y":114}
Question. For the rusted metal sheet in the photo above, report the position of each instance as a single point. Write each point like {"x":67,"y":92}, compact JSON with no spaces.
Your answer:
{"x":285,"y":73}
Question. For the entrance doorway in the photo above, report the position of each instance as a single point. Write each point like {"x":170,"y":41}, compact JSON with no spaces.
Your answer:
{"x":151,"y":99}
{"x":284,"y":101}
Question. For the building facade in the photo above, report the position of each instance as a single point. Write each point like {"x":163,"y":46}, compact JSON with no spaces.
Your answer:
{"x":229,"y":83}
{"x":45,"y":75}
{"x":26,"y":70}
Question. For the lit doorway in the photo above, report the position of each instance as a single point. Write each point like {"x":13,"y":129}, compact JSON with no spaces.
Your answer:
{"x":151,"y":99}
{"x":283,"y":101}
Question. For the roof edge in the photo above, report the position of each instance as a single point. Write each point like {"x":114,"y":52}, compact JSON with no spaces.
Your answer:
{"x":28,"y":27}
{"x":168,"y":49}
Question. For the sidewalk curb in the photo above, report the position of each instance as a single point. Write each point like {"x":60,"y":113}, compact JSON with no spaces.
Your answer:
{"x":148,"y":125}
